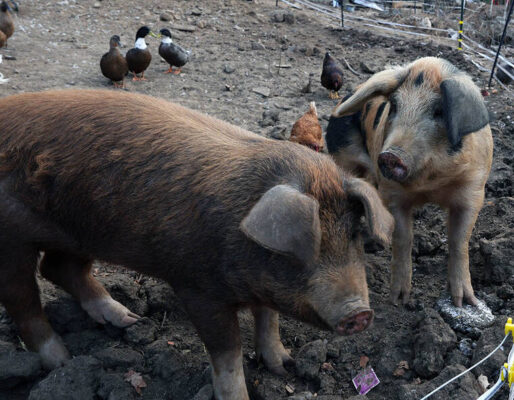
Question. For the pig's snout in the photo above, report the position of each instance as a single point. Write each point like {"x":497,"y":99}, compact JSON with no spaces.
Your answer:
{"x":392,"y":166}
{"x":356,"y":322}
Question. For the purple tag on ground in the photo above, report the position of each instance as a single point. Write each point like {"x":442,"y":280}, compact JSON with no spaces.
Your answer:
{"x":365,"y":380}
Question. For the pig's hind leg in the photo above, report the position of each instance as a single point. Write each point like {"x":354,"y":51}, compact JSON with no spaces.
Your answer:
{"x":73,"y":274}
{"x":19,"y":293}
{"x":267,"y":341}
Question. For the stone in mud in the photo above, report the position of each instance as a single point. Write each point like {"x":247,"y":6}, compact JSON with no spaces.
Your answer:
{"x":489,"y":340}
{"x":114,"y":387}
{"x":498,"y":257}
{"x":142,"y":332}
{"x":465,"y":319}
{"x":309,"y":359}
{"x":433,"y":340}
{"x":269,"y":118}
{"x":18,"y":367}
{"x":464,"y":388}
{"x":79,"y":379}
{"x":112,"y":357}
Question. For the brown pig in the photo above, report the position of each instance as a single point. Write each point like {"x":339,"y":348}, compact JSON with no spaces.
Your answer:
{"x":228,"y":218}
{"x":421,"y":133}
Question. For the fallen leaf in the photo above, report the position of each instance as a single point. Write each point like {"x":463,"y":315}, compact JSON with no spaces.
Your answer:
{"x":136,"y":380}
{"x":327,"y":366}
{"x":363,"y":361}
{"x":483,"y":382}
{"x":401,"y":368}
{"x":289,"y":389}
{"x":256,"y":383}
{"x":171,"y":343}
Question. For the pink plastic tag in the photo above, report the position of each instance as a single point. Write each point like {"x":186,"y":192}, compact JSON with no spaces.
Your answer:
{"x":365,"y":380}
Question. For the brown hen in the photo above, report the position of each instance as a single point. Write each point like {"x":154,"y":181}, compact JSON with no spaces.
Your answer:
{"x":307,"y":130}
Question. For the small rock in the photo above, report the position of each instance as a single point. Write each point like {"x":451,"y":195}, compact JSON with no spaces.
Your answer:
{"x":168,"y":364}
{"x":165,"y":17}
{"x":78,"y":379}
{"x":257,"y":46}
{"x":289,"y":18}
{"x":205,"y":393}
{"x":483,"y":383}
{"x":228,"y":69}
{"x":142,"y":332}
{"x":465,"y":347}
{"x":278,"y":16}
{"x":425,"y":23}
{"x":119,"y":358}
{"x":501,"y":73}
{"x":114,"y":387}
{"x":6,"y":347}
{"x":201,"y":24}
{"x":97,"y":4}
{"x":309,"y":359}
{"x":269,"y":118}
{"x":465,"y":319}
{"x":431,"y":343}
{"x":196,"y":12}
{"x":464,"y":388}
{"x":367,"y":68}
{"x":279,"y":132}
{"x":263,"y":91}
{"x":17,"y":367}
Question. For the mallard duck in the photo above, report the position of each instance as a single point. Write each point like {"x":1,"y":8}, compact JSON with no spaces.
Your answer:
{"x":6,"y":22}
{"x":113,"y":64}
{"x":174,"y":55}
{"x":139,"y":57}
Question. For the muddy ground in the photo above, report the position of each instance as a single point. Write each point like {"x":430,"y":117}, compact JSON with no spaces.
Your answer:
{"x":237,"y":45}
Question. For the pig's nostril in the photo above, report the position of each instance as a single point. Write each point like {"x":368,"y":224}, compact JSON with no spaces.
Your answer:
{"x":356,"y":323}
{"x":392,"y":167}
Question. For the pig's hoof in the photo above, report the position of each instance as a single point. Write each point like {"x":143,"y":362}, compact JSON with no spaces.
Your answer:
{"x":276,"y":358}
{"x":106,"y":309}
{"x":399,"y":295}
{"x":53,"y":353}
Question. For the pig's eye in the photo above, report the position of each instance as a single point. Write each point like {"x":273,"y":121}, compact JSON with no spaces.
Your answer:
{"x":438,"y":112}
{"x":392,"y":107}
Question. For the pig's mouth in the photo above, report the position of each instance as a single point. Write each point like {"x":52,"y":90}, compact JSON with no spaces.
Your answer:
{"x":356,"y":322}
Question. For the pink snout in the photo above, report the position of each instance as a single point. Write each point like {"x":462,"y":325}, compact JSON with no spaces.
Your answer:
{"x":356,"y":322}
{"x":392,"y":166}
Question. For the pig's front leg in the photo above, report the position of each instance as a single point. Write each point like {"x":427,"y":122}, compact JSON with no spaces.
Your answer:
{"x":218,"y":328}
{"x":461,"y":220}
{"x":267,"y":340}
{"x":401,"y":264}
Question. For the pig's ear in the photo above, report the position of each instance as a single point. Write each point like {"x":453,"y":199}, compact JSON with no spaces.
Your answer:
{"x":464,"y":110}
{"x":380,"y":221}
{"x":383,"y":83}
{"x":286,"y":221}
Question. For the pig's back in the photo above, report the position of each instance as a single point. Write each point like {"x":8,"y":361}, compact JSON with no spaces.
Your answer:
{"x":124,"y":173}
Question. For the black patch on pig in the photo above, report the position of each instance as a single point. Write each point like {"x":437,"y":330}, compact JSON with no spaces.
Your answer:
{"x":464,"y":111}
{"x":379,"y":115}
{"x":343,"y":131}
{"x":419,"y":79}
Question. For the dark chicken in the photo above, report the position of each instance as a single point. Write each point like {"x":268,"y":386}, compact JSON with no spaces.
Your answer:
{"x":331,"y":76}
